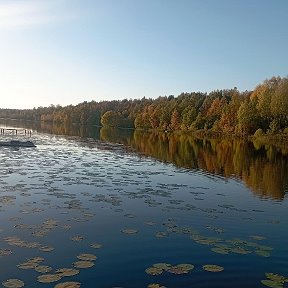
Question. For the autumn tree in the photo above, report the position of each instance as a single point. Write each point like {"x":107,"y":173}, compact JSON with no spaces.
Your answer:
{"x":248,"y":118}
{"x":112,"y":119}
{"x":175,"y":120}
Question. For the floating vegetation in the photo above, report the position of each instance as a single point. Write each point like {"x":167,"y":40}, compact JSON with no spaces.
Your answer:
{"x":159,"y":268}
{"x":16,"y":241}
{"x":43,"y":269}
{"x":96,"y":245}
{"x":48,"y":278}
{"x":181,"y":269}
{"x":219,"y":245}
{"x":130,"y":215}
{"x":83,"y":264}
{"x":212,"y":268}
{"x":257,"y":237}
{"x":272,"y":284}
{"x":276,"y":277}
{"x":263,"y":253}
{"x":186,"y":267}
{"x":162,"y":266}
{"x":67,"y":272}
{"x":239,"y":250}
{"x":46,"y":248}
{"x":215,"y":229}
{"x":220,"y":250}
{"x":161,"y":234}
{"x":86,"y":257}
{"x":67,"y":227}
{"x":36,"y":259}
{"x":206,"y":240}
{"x":154,"y":285}
{"x":31,"y":211}
{"x":13,"y":283}
{"x":5,"y":252}
{"x":77,"y":238}
{"x":153,"y":271}
{"x":7,"y":200}
{"x":152,"y":203}
{"x":27,"y":265}
{"x":274,"y":280}
{"x":68,"y":285}
{"x":129,"y":231}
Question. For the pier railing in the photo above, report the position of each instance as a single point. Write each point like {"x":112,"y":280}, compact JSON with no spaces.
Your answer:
{"x":15,"y":131}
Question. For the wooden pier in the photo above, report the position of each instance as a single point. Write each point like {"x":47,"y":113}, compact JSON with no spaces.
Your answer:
{"x":15,"y":131}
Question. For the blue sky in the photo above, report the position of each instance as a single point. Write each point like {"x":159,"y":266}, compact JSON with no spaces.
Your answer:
{"x":69,"y":51}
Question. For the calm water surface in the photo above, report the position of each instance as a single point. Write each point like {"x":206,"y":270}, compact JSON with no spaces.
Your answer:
{"x":70,"y":192}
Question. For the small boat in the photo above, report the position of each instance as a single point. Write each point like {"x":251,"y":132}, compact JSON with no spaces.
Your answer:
{"x":15,"y":143}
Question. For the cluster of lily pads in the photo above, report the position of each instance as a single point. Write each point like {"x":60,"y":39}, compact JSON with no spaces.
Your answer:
{"x":84,"y":260}
{"x":274,"y":280}
{"x":185,"y":268}
{"x":16,"y":241}
{"x":220,"y":245}
{"x":13,"y":283}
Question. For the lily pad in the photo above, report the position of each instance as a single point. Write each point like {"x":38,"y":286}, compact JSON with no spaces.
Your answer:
{"x":5,"y":252}
{"x":43,"y":268}
{"x":83,"y":264}
{"x":129,"y":231}
{"x":36,"y":259}
{"x":77,"y":238}
{"x":257,"y":237}
{"x":161,"y":234}
{"x":68,"y":285}
{"x":67,"y":272}
{"x":154,"y":285}
{"x":275,"y":277}
{"x":96,"y":245}
{"x":263,"y":253}
{"x":220,"y":250}
{"x":177,"y":270}
{"x":46,"y":248}
{"x":153,"y":271}
{"x":239,"y":250}
{"x":212,"y":268}
{"x":13,"y":283}
{"x":48,"y":278}
{"x":271,"y":283}
{"x":27,"y":265}
{"x":87,"y":257}
{"x":163,"y":266}
{"x":185,"y":266}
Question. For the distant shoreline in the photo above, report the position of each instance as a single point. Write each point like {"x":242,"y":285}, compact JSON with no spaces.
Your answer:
{"x":261,"y":113}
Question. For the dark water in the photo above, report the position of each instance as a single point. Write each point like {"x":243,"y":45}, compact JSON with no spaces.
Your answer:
{"x":185,"y":201}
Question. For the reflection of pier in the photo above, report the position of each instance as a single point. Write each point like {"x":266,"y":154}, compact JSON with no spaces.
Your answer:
{"x":15,"y":131}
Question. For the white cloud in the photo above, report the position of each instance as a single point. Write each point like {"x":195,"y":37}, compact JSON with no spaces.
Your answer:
{"x":23,"y":14}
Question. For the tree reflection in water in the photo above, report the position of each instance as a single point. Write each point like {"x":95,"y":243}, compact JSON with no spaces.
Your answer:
{"x":263,"y":168}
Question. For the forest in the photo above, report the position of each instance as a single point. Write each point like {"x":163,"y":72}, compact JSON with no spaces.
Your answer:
{"x":261,"y":111}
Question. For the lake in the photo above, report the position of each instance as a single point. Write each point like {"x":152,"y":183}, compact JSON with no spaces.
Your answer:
{"x":110,"y":208}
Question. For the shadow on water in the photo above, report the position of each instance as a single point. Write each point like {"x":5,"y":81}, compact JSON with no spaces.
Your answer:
{"x":263,"y":168}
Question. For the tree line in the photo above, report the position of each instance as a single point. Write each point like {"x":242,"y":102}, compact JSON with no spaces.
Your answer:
{"x":263,"y":110}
